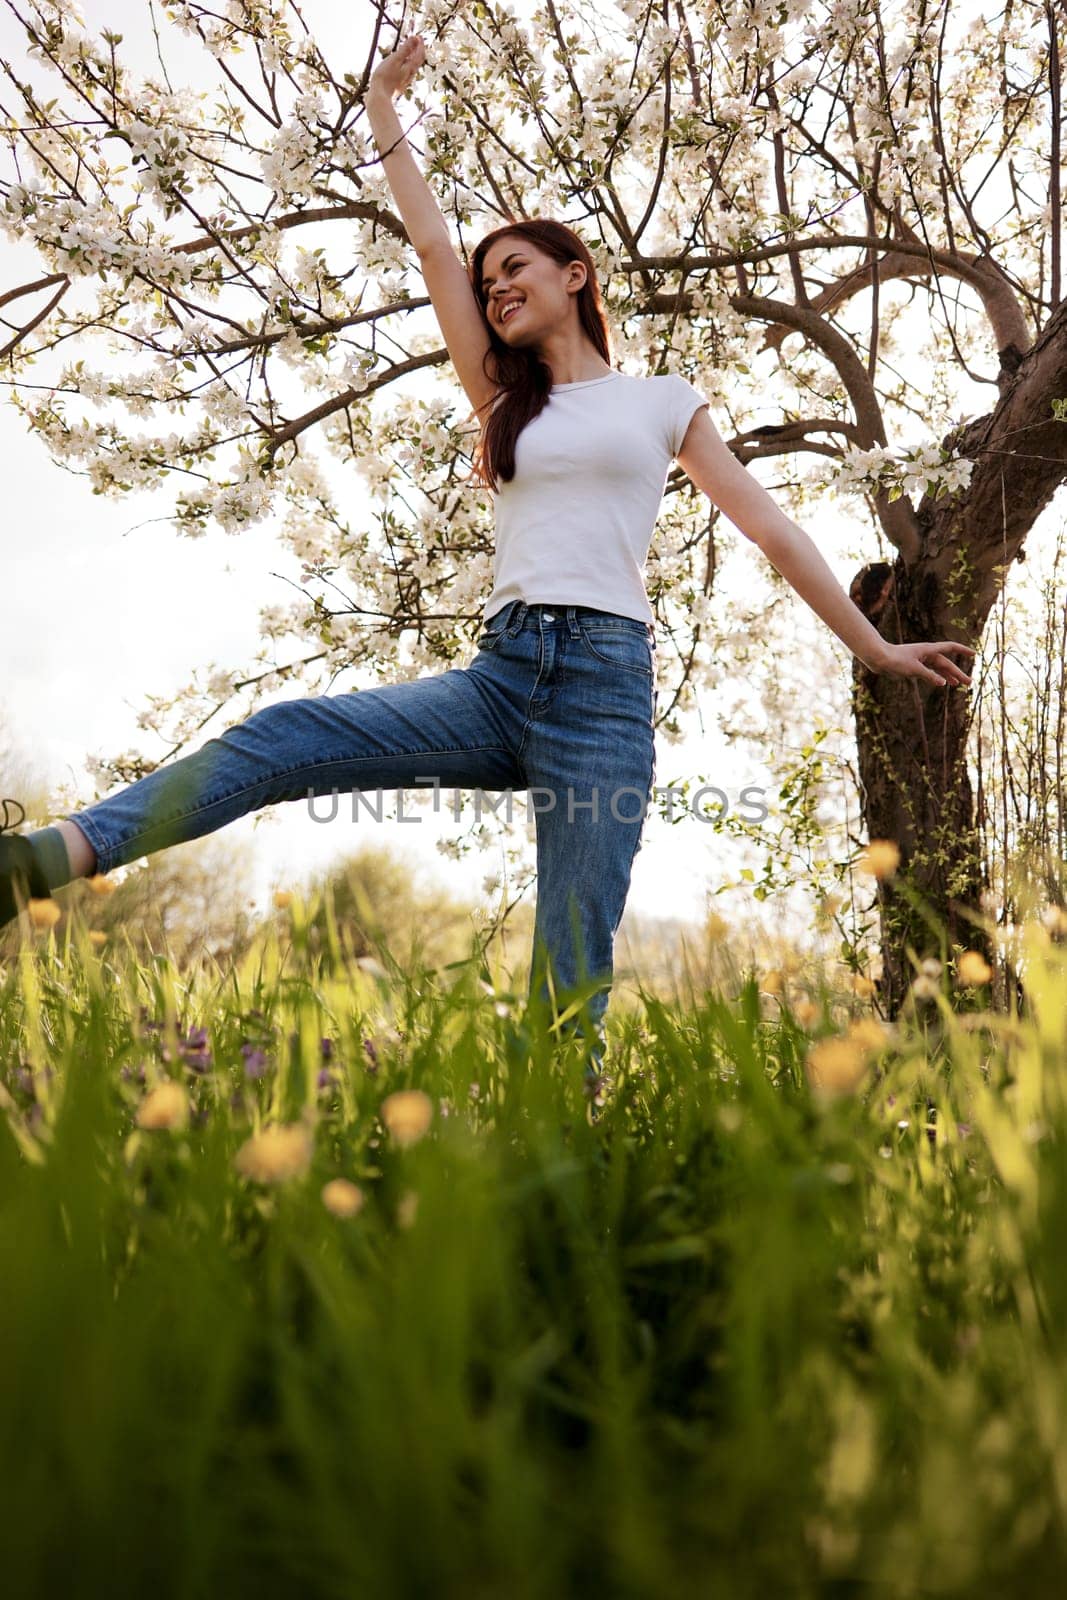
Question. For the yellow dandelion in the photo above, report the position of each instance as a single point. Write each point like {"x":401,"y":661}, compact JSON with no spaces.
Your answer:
{"x":165,"y":1106}
{"x":101,"y":884}
{"x":862,"y":985}
{"x":806,"y":1013}
{"x":880,"y":859}
{"x":344,"y":1199}
{"x":407,"y":1208}
{"x":407,"y":1114}
{"x":828,"y":906}
{"x":282,"y":898}
{"x":973,"y":968}
{"x":44,"y":913}
{"x":276,"y":1154}
{"x":96,"y":937}
{"x":773,"y":982}
{"x":836,"y":1066}
{"x":716,"y":928}
{"x":869,"y":1034}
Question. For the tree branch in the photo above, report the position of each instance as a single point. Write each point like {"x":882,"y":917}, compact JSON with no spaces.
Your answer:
{"x":24,"y":332}
{"x":982,"y":272}
{"x":364,"y":210}
{"x":1020,"y":455}
{"x":435,"y":358}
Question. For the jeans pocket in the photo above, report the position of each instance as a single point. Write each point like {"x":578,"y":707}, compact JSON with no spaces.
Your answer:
{"x":491,"y":636}
{"x":628,"y":649}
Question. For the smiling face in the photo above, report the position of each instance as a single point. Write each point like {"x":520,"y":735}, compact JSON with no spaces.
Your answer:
{"x":543,"y":291}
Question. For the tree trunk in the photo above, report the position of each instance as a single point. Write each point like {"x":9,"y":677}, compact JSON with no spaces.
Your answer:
{"x":912,"y":737}
{"x":916,"y":790}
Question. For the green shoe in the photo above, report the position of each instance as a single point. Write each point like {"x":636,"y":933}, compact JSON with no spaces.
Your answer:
{"x":21,"y":878}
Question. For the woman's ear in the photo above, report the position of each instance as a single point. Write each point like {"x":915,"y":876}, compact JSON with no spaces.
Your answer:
{"x":576,"y":276}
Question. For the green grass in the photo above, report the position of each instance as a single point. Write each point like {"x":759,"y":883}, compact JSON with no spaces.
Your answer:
{"x":722,"y":1334}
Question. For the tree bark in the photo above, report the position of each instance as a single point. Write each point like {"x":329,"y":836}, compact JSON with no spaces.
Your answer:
{"x":912,"y":738}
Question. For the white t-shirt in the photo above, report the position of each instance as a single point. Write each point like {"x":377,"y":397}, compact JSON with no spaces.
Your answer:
{"x":574,"y":525}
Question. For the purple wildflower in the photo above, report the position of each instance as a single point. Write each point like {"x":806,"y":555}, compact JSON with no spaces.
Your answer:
{"x":327,"y":1049}
{"x":256,"y":1063}
{"x":195,"y":1050}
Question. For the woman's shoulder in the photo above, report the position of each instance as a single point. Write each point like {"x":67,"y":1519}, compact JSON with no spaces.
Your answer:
{"x":663,"y":391}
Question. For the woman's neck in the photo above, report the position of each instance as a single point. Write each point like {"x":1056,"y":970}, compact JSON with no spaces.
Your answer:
{"x":572,"y":358}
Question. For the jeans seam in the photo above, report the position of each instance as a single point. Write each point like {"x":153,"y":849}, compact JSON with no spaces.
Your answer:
{"x":619,"y":666}
{"x":639,"y":628}
{"x":180,"y":816}
{"x":644,"y":819}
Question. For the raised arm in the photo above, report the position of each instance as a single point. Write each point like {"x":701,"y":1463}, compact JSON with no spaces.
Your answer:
{"x":448,"y":285}
{"x":712,"y":466}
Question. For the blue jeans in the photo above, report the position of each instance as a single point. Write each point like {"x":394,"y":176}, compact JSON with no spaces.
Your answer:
{"x":558,"y":700}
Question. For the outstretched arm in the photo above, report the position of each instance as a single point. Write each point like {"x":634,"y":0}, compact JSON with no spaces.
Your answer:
{"x":705,"y":458}
{"x":448,"y":285}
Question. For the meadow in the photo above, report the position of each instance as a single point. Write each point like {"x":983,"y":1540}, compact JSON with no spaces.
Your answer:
{"x":323,"y":1277}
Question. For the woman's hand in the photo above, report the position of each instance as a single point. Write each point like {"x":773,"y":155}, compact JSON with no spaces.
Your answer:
{"x":929,"y":661}
{"x":394,"y":73}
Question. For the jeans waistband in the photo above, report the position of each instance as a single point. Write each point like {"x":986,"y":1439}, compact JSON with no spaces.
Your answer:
{"x":518,"y":613}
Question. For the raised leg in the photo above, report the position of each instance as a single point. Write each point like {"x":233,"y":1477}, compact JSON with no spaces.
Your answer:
{"x":384,"y":738}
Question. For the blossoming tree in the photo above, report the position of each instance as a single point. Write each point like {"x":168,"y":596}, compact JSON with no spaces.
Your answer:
{"x":228,"y":305}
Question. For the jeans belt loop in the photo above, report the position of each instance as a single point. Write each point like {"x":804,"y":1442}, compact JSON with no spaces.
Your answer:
{"x":573,"y":627}
{"x":518,"y":617}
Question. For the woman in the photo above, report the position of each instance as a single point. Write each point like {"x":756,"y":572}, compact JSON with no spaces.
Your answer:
{"x":560,"y":698}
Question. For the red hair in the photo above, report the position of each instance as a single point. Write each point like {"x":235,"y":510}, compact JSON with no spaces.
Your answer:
{"x":522,"y":376}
